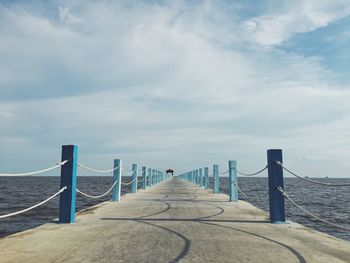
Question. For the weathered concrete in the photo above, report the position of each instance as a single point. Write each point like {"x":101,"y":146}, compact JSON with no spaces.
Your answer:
{"x":173,"y":221}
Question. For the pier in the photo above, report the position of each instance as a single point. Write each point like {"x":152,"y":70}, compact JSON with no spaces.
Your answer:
{"x":174,"y":221}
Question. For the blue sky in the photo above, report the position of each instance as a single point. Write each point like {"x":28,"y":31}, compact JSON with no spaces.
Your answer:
{"x":179,"y":84}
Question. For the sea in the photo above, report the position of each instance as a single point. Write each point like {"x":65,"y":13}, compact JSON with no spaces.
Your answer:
{"x":328,"y":203}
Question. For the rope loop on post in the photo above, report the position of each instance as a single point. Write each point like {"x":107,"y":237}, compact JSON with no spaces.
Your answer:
{"x":241,"y":191}
{"x":309,"y":180}
{"x":285,"y":195}
{"x":37,"y":172}
{"x":129,"y":173}
{"x":34,"y":206}
{"x":96,"y":170}
{"x":128,"y":182}
{"x":251,"y":174}
{"x":140,"y":181}
{"x":97,"y":196}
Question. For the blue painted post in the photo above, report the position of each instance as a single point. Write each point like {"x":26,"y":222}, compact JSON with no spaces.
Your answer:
{"x":232,"y":165}
{"x":133,"y":187}
{"x":200,"y":177}
{"x":275,"y":174}
{"x":143,"y":177}
{"x":117,"y":176}
{"x":216,"y":178}
{"x":197,"y":177}
{"x":153,"y":179}
{"x":149,"y":173}
{"x":206,"y":178}
{"x":69,"y":179}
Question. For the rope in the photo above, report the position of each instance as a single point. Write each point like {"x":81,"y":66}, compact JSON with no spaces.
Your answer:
{"x":241,"y":191}
{"x":37,"y":172}
{"x":97,"y":196}
{"x":34,"y":206}
{"x":307,"y":212}
{"x":128,"y":182}
{"x":251,"y":174}
{"x":130,"y":173}
{"x":225,"y":172}
{"x":95,"y":170}
{"x":139,"y":181}
{"x":309,"y":180}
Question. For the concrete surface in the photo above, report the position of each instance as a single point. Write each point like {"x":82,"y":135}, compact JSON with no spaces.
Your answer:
{"x":173,"y":222}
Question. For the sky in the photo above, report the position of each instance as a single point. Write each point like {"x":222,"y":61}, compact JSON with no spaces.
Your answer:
{"x":176,"y":84}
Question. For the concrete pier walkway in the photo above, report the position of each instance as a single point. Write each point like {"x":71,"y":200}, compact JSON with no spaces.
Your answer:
{"x":173,"y":222}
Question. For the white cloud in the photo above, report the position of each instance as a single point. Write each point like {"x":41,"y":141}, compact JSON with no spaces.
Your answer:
{"x":296,"y":17}
{"x":159,"y":83}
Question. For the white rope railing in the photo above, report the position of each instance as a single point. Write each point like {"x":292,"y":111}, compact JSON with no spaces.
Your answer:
{"x":139,"y":181}
{"x":129,"y":173}
{"x":251,"y":174}
{"x":34,"y":206}
{"x":97,"y":196}
{"x":36,"y":172}
{"x":307,"y":212}
{"x":96,"y":170}
{"x":225,"y":172}
{"x":309,"y":180}
{"x":128,"y":182}
{"x":241,"y":191}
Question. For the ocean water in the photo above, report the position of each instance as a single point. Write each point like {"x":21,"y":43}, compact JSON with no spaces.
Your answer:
{"x":329,"y":203}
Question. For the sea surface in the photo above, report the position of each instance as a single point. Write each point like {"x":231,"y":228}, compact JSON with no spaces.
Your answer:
{"x":329,"y":203}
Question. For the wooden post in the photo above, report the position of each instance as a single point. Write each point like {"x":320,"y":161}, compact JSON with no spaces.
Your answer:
{"x":275,"y":175}
{"x":69,"y":179}
{"x":232,"y":165}
{"x":117,"y":176}
{"x":143,"y":177}
{"x":206,"y":178}
{"x":149,"y":175}
{"x":200,"y":177}
{"x":133,"y":188}
{"x":216,"y":178}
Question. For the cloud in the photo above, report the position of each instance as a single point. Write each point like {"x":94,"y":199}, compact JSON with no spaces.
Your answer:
{"x":296,"y":17}
{"x":173,"y":83}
